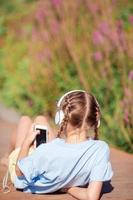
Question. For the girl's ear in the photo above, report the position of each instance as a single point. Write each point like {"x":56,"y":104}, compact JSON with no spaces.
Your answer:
{"x":98,"y":124}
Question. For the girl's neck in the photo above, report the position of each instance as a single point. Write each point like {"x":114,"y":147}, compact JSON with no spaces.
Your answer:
{"x":75,"y":137}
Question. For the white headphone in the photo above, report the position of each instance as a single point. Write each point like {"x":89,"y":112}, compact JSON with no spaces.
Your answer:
{"x":59,"y":116}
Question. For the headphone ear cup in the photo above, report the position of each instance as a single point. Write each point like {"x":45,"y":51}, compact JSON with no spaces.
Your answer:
{"x":98,"y":124}
{"x":59,"y":117}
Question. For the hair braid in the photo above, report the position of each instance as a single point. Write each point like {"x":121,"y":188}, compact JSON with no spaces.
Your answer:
{"x":86,"y":111}
{"x":64,"y":123}
{"x":98,"y":115}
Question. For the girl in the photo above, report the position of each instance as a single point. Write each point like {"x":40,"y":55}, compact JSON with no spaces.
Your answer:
{"x":68,"y":161}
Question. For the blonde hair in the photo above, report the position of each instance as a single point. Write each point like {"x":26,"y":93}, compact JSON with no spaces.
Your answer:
{"x":82,"y":111}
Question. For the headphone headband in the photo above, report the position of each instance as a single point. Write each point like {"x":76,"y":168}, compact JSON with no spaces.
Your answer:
{"x":60,"y":100}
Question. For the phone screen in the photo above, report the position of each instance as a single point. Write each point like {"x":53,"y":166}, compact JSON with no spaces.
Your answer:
{"x":41,"y":138}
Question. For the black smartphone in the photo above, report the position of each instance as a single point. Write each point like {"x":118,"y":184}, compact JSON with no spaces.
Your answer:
{"x":43,"y":136}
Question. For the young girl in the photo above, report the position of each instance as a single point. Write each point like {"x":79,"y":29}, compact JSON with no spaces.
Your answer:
{"x":73,"y":158}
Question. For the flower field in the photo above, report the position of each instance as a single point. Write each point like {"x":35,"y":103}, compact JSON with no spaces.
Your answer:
{"x":48,"y":47}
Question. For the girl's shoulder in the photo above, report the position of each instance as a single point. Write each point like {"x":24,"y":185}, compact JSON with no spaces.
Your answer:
{"x":103,"y":146}
{"x":102,"y":143}
{"x":89,"y":143}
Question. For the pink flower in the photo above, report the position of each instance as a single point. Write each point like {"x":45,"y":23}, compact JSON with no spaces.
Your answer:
{"x":126,"y":116}
{"x":93,"y":7}
{"x":55,"y":27}
{"x":34,"y":35}
{"x":47,"y":54}
{"x":98,"y":56}
{"x":97,"y":38}
{"x":119,"y":25}
{"x":114,"y":37}
{"x":127,"y":92}
{"x":40,"y":15}
{"x":104,"y":27}
{"x":40,"y":56}
{"x":130,"y":75}
{"x":131,"y":19}
{"x":56,"y":3}
{"x":114,"y":2}
{"x":45,"y":36}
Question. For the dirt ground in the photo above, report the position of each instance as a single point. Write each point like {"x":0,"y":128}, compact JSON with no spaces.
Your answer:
{"x":121,"y":187}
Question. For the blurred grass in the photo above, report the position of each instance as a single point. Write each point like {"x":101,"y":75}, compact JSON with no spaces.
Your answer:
{"x":50,"y":47}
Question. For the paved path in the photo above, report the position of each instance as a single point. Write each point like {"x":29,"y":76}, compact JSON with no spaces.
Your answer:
{"x":122,"y":181}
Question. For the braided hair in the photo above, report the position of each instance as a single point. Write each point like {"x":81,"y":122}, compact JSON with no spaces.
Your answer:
{"x":82,"y":111}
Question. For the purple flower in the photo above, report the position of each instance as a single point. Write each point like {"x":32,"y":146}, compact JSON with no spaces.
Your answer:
{"x":97,"y":38}
{"x":130,"y":75}
{"x":98,"y":56}
{"x":131,"y":19}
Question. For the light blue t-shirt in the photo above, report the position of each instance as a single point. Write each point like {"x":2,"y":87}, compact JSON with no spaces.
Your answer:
{"x":57,"y":164}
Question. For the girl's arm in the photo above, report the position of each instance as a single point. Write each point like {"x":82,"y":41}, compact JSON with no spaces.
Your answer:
{"x":25,"y":148}
{"x":91,"y":193}
{"x":23,"y":153}
{"x":79,"y":193}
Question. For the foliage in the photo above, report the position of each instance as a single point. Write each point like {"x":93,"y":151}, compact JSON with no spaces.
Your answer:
{"x":50,"y":47}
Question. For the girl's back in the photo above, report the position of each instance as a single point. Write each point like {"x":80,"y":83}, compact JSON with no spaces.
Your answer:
{"x":58,"y":164}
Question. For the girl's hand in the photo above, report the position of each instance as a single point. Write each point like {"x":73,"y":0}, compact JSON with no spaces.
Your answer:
{"x":31,"y":135}
{"x":64,"y":190}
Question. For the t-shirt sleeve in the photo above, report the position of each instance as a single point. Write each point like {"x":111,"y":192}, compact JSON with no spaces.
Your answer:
{"x":20,"y":182}
{"x":31,"y":166}
{"x":102,"y":169}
